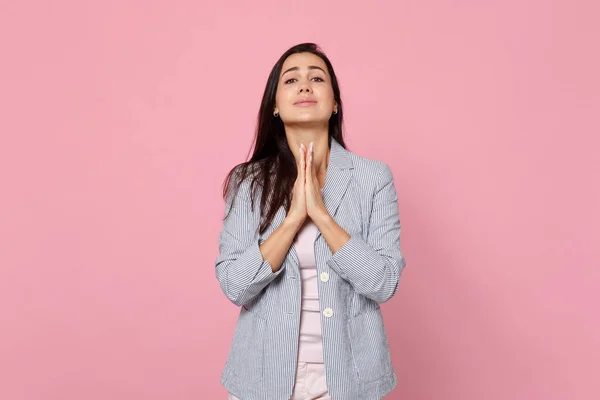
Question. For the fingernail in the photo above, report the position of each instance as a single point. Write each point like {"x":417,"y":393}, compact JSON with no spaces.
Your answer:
{"x":311,"y":146}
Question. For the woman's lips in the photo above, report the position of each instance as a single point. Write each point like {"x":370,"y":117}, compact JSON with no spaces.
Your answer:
{"x":306,"y":103}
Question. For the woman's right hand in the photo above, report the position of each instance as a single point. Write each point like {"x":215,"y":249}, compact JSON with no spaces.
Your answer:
{"x":298,"y":207}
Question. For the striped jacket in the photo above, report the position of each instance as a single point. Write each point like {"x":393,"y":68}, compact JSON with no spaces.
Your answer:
{"x":261,"y":365}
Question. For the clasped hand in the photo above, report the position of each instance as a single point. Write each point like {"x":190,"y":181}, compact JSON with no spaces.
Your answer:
{"x":306,"y":196}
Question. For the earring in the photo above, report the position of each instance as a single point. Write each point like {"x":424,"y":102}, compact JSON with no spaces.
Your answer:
{"x":275,"y":114}
{"x":335,"y":112}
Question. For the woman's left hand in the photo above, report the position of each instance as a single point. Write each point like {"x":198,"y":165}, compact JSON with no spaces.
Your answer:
{"x":315,"y":208}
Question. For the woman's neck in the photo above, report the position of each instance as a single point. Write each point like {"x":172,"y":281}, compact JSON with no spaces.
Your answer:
{"x":320,"y":154}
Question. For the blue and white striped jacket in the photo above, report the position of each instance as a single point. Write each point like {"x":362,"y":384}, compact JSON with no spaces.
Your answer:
{"x":261,"y":365}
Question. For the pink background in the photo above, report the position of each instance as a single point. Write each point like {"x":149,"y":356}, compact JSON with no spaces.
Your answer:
{"x":120,"y":120}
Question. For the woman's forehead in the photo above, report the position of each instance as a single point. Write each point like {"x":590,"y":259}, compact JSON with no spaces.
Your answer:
{"x":303,"y":60}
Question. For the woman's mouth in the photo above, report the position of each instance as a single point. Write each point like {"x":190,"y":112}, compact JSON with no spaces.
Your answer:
{"x":305,"y":103}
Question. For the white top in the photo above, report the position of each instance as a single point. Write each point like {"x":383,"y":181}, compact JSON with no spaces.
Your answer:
{"x":310,"y":347}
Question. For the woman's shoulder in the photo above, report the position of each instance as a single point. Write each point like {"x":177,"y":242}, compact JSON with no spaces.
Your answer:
{"x":242,"y":178}
{"x":369,"y":171}
{"x":367,"y":163}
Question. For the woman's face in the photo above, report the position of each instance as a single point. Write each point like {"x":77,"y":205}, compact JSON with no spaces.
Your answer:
{"x":304,"y":91}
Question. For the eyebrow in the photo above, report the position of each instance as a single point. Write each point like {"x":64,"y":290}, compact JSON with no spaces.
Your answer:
{"x":297,"y":68}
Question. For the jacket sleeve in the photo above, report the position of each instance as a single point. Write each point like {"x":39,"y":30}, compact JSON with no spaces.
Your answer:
{"x":240,"y":268}
{"x":373,"y":267}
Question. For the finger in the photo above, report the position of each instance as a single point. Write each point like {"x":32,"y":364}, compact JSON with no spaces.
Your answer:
{"x":302,"y":160}
{"x":309,"y":164}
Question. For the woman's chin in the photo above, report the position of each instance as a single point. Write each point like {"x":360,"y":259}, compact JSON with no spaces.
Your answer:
{"x":307,"y":120}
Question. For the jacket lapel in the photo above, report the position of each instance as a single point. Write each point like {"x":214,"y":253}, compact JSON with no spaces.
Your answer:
{"x":337,"y":178}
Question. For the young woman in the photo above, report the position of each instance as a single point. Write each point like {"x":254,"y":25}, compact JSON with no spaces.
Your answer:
{"x":310,"y":248}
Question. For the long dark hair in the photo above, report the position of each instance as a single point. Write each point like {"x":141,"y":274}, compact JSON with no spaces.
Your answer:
{"x":272,"y":166}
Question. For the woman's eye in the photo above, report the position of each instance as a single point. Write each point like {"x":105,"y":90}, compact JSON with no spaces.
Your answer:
{"x":293,"y":79}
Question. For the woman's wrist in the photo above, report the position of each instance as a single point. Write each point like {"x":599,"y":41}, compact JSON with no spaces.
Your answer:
{"x":294,"y":222}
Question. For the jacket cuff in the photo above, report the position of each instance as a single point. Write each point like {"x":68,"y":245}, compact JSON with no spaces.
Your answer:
{"x":351,"y":256}
{"x":263,"y":276}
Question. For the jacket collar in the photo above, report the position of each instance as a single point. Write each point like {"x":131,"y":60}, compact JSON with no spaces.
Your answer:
{"x":337,"y":177}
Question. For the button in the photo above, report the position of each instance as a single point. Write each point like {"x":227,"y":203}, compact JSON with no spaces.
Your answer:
{"x":324,"y":276}
{"x":328,"y":312}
